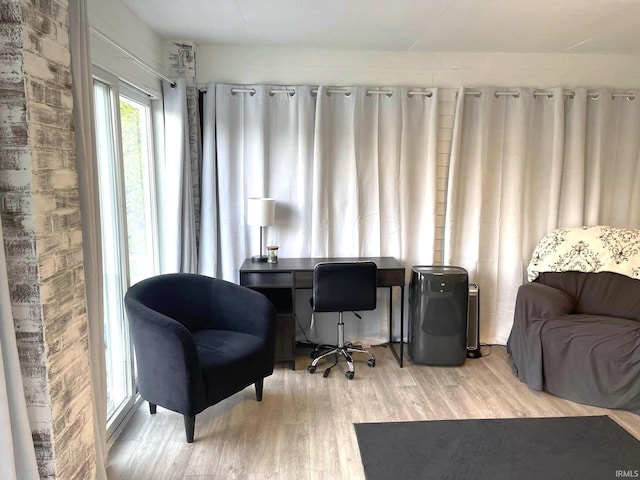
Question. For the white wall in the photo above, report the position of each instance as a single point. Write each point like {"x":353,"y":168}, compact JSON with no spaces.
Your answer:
{"x":350,"y":67}
{"x":115,"y":20}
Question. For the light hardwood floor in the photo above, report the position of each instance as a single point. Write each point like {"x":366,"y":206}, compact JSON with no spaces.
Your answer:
{"x":303,"y":428}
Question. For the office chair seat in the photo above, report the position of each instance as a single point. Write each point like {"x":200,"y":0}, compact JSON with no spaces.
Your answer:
{"x":340,"y":287}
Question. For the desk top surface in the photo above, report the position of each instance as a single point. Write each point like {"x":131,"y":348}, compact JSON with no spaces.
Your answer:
{"x":301,"y":264}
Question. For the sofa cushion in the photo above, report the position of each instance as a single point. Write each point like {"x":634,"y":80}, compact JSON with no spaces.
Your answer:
{"x":605,"y":293}
{"x":592,"y":359}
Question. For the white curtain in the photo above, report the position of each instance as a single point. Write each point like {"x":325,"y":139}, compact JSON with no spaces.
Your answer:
{"x":612,"y":190}
{"x":522,"y":165}
{"x":353,"y":174}
{"x":262,"y":146}
{"x":17,"y":455}
{"x":82,"y":87}
{"x":374,"y":181}
{"x":176,"y":220}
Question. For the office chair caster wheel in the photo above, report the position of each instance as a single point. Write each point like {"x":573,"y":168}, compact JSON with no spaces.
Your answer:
{"x":311,"y":369}
{"x":371,"y":362}
{"x":349,"y":375}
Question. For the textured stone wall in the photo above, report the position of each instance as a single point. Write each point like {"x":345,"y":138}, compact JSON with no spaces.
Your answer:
{"x":41,"y":226}
{"x":195,"y":151}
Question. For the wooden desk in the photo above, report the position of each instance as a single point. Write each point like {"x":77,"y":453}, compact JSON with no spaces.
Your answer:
{"x":279,"y":281}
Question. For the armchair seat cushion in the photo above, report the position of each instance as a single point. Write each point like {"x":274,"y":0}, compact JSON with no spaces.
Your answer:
{"x":230,"y":361}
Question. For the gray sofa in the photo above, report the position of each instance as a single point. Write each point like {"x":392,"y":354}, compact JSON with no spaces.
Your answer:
{"x":577,"y":335}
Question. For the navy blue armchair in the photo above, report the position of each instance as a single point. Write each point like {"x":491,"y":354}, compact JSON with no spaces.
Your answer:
{"x":198,"y":340}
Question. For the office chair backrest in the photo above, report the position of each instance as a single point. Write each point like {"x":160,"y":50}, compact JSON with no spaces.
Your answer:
{"x":344,"y":286}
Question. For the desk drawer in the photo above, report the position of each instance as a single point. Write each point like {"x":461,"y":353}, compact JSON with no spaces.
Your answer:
{"x":391,"y":278}
{"x":304,"y":279}
{"x":266,"y":279}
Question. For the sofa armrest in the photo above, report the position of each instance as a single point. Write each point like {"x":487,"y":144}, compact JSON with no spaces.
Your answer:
{"x":536,"y":300}
{"x":534,"y":304}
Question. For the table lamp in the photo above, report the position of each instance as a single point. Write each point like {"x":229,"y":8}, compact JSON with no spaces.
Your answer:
{"x":260,"y":212}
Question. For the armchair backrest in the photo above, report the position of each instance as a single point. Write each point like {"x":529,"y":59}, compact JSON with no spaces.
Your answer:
{"x":180,"y":296}
{"x":197,"y":301}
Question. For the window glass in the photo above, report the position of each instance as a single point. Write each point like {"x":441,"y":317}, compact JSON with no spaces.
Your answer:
{"x":125,"y":168}
{"x":136,"y":147}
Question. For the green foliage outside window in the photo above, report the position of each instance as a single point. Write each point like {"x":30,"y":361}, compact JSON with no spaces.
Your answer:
{"x":132,"y":147}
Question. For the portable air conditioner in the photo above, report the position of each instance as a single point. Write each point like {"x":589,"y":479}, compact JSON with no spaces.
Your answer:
{"x":438,"y":303}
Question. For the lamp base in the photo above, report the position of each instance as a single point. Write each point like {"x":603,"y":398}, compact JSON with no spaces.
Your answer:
{"x":259,"y":258}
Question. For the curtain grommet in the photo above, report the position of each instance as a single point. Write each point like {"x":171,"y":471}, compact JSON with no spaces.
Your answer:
{"x":288,"y":91}
{"x":506,"y":93}
{"x":422,"y":93}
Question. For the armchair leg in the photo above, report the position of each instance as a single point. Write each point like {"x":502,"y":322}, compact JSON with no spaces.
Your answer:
{"x":259,"y":385}
{"x":189,"y":426}
{"x":152,"y":408}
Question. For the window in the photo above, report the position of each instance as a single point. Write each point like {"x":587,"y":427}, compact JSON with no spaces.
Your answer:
{"x":138,"y":180}
{"x":127,"y":205}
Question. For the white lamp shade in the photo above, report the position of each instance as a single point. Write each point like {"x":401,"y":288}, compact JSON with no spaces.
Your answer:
{"x":261,"y":211}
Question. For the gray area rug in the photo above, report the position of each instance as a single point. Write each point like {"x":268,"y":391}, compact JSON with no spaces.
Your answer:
{"x":495,"y":449}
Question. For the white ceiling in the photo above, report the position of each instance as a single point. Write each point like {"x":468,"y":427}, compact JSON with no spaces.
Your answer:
{"x":541,"y":26}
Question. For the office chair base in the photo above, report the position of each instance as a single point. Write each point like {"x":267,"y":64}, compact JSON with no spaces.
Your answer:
{"x":318,"y":349}
{"x":345,"y":351}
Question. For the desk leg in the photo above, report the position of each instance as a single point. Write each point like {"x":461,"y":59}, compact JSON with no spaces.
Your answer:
{"x":399,"y":357}
{"x":401,"y":326}
{"x":391,"y":316}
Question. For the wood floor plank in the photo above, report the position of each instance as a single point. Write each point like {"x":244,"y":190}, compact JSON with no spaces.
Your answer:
{"x":303,"y":428}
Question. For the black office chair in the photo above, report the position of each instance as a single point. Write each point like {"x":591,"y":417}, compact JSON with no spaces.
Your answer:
{"x":340,"y":287}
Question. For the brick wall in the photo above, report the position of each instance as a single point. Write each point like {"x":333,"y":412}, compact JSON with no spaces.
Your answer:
{"x":41,"y":226}
{"x":195,"y":151}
